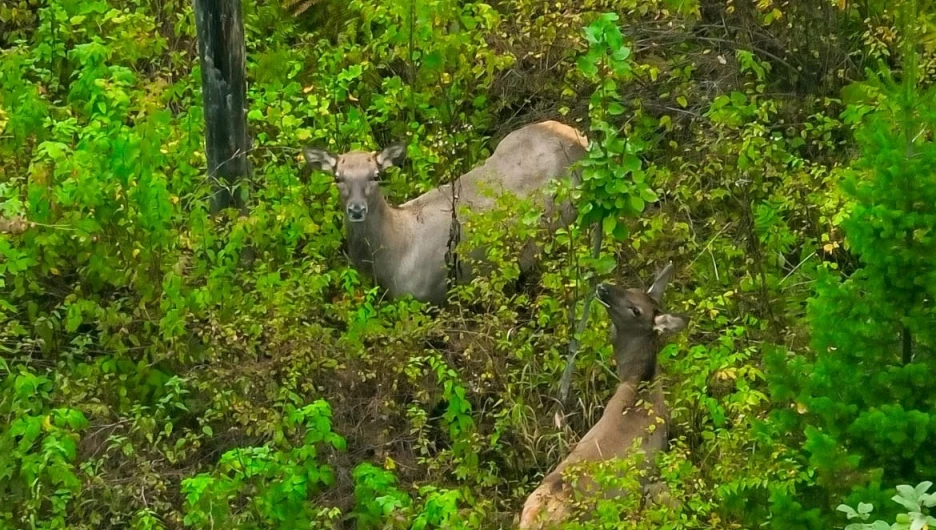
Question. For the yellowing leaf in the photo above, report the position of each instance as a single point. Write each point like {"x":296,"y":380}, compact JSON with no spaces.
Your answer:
{"x":728,"y":374}
{"x":682,"y":101}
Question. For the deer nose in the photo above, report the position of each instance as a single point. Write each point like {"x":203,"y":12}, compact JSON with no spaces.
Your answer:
{"x":601,"y":290}
{"x":357,"y":212}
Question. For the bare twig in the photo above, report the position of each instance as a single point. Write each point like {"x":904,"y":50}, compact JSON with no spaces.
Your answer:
{"x":566,"y":382}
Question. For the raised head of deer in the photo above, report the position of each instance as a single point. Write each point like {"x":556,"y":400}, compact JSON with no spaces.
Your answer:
{"x":639,"y":325}
{"x":636,"y":413}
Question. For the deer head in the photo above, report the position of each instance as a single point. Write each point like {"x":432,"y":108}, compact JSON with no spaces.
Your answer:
{"x":639,"y":322}
{"x":357,"y":174}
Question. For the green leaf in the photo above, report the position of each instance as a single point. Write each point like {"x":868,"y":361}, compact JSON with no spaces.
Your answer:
{"x":76,"y":419}
{"x":74,"y":318}
{"x":605,"y":264}
{"x":922,"y":487}
{"x":637,"y":204}
{"x":848,"y":510}
{"x":593,"y":34}
{"x":621,"y":54}
{"x":616,"y":109}
{"x":630,"y":163}
{"x":906,"y":503}
{"x":614,"y":38}
{"x":434,"y":60}
{"x":648,"y":195}
{"x":588,"y":65}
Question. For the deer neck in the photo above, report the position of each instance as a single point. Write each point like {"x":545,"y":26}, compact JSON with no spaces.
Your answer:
{"x":373,"y":242}
{"x":636,"y":356}
{"x":623,"y":398}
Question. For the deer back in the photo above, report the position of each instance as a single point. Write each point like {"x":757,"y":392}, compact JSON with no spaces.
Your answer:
{"x":404,"y":247}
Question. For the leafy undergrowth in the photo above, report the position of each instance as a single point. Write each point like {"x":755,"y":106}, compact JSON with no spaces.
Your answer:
{"x":153,"y":380}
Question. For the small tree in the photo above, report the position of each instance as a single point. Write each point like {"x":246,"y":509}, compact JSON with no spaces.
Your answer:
{"x":866,"y":404}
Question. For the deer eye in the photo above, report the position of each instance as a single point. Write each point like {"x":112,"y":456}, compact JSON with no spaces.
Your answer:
{"x":635,"y":310}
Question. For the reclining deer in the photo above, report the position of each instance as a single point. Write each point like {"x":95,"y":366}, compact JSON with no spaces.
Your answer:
{"x":404,"y":247}
{"x":635,"y":413}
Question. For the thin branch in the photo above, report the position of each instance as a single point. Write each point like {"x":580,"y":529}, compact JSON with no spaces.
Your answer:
{"x":566,"y":382}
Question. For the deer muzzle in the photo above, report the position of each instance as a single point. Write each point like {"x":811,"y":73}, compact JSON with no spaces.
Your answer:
{"x":356,"y":212}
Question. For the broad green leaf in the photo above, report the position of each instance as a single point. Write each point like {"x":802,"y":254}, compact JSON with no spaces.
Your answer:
{"x":616,"y":109}
{"x":637,"y":204}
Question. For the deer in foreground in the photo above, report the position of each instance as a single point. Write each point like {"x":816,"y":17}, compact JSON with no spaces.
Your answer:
{"x":404,"y":247}
{"x":635,"y":413}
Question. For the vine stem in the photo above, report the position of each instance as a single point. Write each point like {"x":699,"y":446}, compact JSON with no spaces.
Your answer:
{"x":565,"y":383}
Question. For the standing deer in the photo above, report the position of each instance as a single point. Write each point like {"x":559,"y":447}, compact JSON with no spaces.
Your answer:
{"x":636,"y":411}
{"x":404,"y":247}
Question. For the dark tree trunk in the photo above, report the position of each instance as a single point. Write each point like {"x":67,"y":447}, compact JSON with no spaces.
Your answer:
{"x":221,"y":51}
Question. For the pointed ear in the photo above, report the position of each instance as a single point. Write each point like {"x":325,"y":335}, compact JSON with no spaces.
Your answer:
{"x":391,"y":156}
{"x":666,"y":323}
{"x":659,"y":284}
{"x":320,"y":159}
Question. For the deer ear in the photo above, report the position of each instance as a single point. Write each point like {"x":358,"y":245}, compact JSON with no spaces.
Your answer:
{"x":391,"y":156}
{"x":320,"y":159}
{"x":666,"y":323}
{"x":659,"y":284}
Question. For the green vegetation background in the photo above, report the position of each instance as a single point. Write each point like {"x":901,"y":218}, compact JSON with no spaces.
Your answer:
{"x":151,"y":381}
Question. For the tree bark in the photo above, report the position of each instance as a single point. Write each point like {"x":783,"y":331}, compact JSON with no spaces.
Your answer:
{"x":221,"y":50}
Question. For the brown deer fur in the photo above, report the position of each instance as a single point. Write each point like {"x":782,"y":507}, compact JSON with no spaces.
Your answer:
{"x":636,"y":412}
{"x":404,"y":247}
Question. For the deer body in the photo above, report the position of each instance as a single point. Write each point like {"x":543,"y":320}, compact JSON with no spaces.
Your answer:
{"x":404,"y":247}
{"x":637,"y":410}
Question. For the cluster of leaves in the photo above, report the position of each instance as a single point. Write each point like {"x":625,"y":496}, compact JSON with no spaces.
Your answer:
{"x":269,"y":487}
{"x":151,"y":381}
{"x":862,"y":399}
{"x":915,"y":500}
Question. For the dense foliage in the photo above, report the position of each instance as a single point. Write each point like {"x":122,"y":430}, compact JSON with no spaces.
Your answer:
{"x":779,"y":153}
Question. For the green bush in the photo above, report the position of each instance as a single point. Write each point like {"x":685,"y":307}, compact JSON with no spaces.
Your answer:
{"x":863,"y":399}
{"x":150,"y":379}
